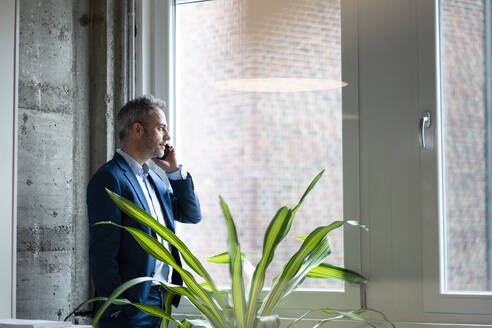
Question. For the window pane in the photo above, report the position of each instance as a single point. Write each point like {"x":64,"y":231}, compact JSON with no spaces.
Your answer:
{"x":260,"y":150}
{"x":464,"y":122}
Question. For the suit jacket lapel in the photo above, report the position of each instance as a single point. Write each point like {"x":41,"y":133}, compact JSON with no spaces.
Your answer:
{"x":128,"y":173}
{"x":160,"y":189}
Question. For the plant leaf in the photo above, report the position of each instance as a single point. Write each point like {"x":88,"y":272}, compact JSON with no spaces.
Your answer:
{"x":168,"y":302}
{"x":235,"y":267}
{"x":179,"y":290}
{"x":117,"y":301}
{"x":308,"y":190}
{"x":156,"y":249}
{"x":145,"y":218}
{"x":349,"y":315}
{"x":329,"y":271}
{"x":272,"y":321}
{"x":353,"y":315}
{"x":312,"y":252}
{"x":385,"y":318}
{"x":152,"y":310}
{"x":222,"y":258}
{"x":198,"y":323}
{"x":117,"y":292}
{"x":278,"y":228}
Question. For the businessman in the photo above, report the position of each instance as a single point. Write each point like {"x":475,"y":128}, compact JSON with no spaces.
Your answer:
{"x":115,"y":257}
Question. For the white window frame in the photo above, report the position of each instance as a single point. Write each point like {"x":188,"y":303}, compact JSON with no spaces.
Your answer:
{"x":435,"y":299}
{"x":9,"y":22}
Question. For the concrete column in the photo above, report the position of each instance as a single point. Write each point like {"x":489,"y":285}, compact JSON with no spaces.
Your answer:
{"x":108,"y":75}
{"x":52,"y":132}
{"x":72,"y":81}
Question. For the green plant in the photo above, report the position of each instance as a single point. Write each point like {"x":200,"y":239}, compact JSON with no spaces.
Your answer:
{"x":241,"y":307}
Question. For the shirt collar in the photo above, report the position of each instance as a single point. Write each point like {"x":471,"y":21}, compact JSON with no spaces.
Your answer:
{"x":142,"y":170}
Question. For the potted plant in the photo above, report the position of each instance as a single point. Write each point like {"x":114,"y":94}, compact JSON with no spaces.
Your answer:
{"x":241,"y":306}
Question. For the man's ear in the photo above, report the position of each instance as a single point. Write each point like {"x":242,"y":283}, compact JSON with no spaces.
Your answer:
{"x":137,"y":129}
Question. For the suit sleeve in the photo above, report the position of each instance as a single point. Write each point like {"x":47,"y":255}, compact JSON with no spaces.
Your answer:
{"x":185,"y":201}
{"x":104,"y":239}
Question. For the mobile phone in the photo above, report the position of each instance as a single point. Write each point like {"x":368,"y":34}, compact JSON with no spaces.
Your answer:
{"x":166,"y":151}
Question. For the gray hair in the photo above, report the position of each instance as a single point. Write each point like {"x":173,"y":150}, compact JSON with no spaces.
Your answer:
{"x":136,"y":110}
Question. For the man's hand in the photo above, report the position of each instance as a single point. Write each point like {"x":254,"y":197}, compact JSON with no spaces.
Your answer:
{"x":169,"y":163}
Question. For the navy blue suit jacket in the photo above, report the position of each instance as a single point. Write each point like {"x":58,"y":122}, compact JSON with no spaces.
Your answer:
{"x":114,"y":255}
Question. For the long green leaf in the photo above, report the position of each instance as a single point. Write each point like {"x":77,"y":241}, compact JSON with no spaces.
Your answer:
{"x":156,"y":249}
{"x":222,"y":258}
{"x":152,"y":310}
{"x":272,"y":321}
{"x":349,"y":315}
{"x":198,"y":323}
{"x":145,"y":218}
{"x":92,"y":300}
{"x":168,"y":302}
{"x":117,"y":292}
{"x":278,"y":228}
{"x":312,"y":252}
{"x":329,"y":271}
{"x":248,"y":267}
{"x":179,"y":290}
{"x":353,"y":315}
{"x":385,"y":318}
{"x":308,"y":190}
{"x":235,"y":267}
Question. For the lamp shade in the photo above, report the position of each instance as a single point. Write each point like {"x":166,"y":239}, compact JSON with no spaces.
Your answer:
{"x":282,"y":46}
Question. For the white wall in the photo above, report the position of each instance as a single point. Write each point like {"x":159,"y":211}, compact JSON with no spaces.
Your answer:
{"x":8,"y":32}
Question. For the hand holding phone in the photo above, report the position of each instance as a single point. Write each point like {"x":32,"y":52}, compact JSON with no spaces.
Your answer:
{"x":168,"y":161}
{"x":166,"y":151}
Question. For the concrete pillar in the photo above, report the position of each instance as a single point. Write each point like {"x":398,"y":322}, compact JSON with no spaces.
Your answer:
{"x":108,"y":74}
{"x":49,"y":85}
{"x":72,"y":81}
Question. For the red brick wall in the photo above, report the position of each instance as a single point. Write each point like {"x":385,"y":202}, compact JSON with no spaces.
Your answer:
{"x":260,"y":150}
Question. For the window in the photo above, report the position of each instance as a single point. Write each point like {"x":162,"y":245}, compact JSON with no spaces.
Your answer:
{"x":460,"y":266}
{"x":259,"y":150}
{"x":464,"y":147}
{"x":400,"y":59}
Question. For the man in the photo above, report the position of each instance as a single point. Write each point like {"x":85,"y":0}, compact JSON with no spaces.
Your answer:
{"x":115,"y":256}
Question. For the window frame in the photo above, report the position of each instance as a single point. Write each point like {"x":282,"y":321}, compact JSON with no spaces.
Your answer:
{"x":9,"y":38}
{"x":435,"y":299}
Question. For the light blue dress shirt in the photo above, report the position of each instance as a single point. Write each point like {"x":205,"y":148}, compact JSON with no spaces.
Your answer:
{"x":162,"y":270}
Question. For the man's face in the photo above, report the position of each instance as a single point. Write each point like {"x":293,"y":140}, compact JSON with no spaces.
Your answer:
{"x":155,"y":134}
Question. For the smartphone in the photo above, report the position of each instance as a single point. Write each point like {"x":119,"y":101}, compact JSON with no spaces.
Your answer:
{"x":166,"y":151}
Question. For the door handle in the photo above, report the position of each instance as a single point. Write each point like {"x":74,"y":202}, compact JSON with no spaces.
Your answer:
{"x":425,"y":122}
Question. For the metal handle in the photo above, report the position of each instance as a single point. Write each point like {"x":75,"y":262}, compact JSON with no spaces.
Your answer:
{"x":425,"y":122}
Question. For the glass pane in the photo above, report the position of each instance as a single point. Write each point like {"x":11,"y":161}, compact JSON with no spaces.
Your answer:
{"x":260,"y":150}
{"x":465,"y":144}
